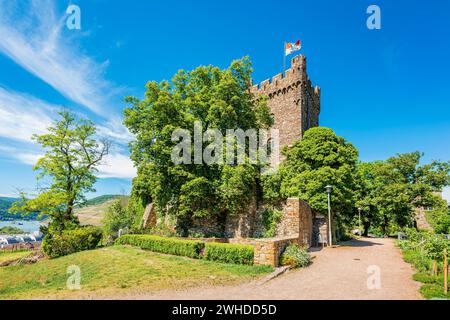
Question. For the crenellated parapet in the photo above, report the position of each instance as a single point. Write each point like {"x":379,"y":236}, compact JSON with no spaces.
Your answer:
{"x":282,"y":82}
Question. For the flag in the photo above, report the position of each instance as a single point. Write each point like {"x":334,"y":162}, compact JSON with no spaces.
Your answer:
{"x":292,"y":47}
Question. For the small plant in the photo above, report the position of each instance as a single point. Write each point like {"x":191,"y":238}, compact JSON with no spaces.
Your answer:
{"x":270,"y":219}
{"x":295,"y":256}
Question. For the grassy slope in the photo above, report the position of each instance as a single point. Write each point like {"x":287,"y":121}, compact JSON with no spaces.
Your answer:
{"x":115,"y":270}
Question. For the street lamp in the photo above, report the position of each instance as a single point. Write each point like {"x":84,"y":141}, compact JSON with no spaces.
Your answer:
{"x":359,"y":217}
{"x":328,"y":188}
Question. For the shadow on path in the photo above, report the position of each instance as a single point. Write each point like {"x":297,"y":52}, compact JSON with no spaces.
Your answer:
{"x":366,"y":242}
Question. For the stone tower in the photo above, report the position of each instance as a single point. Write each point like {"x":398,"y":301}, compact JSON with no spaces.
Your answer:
{"x":293,"y":101}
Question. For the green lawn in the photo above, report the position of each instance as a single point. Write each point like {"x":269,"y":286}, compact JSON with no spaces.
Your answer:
{"x":116,"y":270}
{"x":13,"y":255}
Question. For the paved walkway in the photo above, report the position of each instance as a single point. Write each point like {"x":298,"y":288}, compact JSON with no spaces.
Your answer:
{"x":337,"y":273}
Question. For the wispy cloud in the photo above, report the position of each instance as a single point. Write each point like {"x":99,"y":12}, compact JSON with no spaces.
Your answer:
{"x":446,"y":194}
{"x":22,"y":115}
{"x":31,"y":34}
{"x":115,"y":165}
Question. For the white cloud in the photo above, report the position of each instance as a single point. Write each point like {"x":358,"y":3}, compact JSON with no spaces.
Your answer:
{"x":22,"y":115}
{"x":31,"y":35}
{"x":446,"y":194}
{"x":117,"y":165}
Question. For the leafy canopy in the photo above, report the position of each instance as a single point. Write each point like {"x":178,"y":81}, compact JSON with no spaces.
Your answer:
{"x":67,"y":170}
{"x":219,"y":99}
{"x":389,"y":191}
{"x":321,"y":158}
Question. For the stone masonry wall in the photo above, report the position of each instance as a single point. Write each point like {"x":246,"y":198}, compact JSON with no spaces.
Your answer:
{"x":296,"y":221}
{"x":293,"y":101}
{"x":267,"y":251}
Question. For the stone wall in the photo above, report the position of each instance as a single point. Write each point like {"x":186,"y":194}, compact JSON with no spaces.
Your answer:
{"x":296,"y":221}
{"x":267,"y":251}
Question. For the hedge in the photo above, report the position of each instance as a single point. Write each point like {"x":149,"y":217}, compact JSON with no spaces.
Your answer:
{"x":188,"y":248}
{"x":229,"y":253}
{"x":71,"y":241}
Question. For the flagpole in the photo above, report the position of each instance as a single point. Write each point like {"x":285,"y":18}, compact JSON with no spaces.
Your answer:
{"x":284,"y":58}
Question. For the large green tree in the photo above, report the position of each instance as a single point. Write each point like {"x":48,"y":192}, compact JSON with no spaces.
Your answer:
{"x":219,"y":100}
{"x":390,"y":191}
{"x":321,"y":158}
{"x":66,"y":171}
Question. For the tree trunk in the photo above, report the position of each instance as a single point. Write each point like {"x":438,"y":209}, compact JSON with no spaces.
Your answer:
{"x":366,"y":228}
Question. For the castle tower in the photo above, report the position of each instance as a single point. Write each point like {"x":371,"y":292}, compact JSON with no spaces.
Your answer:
{"x":293,"y":101}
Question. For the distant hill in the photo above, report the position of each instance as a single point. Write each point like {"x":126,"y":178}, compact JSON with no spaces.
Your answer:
{"x":93,"y":212}
{"x":5,"y":204}
{"x":100,"y":200}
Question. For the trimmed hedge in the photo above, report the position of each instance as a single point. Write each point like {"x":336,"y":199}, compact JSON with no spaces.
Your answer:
{"x":188,"y":248}
{"x":71,"y":241}
{"x":229,"y":253}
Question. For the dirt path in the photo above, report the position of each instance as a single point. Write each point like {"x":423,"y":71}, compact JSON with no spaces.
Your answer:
{"x":337,"y":273}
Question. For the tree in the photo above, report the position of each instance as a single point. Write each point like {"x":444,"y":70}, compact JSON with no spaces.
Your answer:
{"x":319,"y":159}
{"x":67,"y":169}
{"x":219,"y":100}
{"x":366,"y":194}
{"x":390,"y":191}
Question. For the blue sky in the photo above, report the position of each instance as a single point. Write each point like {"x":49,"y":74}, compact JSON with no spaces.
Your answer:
{"x":387,"y":90}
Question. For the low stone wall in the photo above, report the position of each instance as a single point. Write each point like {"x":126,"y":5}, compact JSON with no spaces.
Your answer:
{"x":268,"y":250}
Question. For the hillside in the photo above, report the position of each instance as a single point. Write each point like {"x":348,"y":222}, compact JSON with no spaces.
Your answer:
{"x":93,"y":211}
{"x":5,"y":204}
{"x":100,"y":200}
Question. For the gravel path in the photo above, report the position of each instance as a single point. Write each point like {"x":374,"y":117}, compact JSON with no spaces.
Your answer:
{"x":342,"y":272}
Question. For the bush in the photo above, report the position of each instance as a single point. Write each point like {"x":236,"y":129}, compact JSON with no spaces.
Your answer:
{"x":229,"y":253}
{"x":70,"y":241}
{"x":179,"y":247}
{"x":117,"y":217}
{"x":295,"y":256}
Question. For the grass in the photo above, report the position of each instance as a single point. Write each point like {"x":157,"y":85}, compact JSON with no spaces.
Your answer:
{"x":433,"y":287}
{"x":112,"y":271}
{"x":13,"y":255}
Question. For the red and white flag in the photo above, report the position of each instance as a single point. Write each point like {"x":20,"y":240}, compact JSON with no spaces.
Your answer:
{"x":292,"y":47}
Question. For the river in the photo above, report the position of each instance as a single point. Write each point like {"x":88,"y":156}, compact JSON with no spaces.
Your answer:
{"x":27,"y":226}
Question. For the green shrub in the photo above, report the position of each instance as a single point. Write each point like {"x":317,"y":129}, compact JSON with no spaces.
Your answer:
{"x":179,"y":247}
{"x":270,"y":220}
{"x":229,"y":253}
{"x":117,"y":217}
{"x":295,"y":256}
{"x":70,"y":241}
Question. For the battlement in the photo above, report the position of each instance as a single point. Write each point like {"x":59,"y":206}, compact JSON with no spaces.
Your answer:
{"x":292,"y":76}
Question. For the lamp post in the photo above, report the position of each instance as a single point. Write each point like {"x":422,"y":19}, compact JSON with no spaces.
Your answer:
{"x":359,"y":217}
{"x":328,"y":188}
